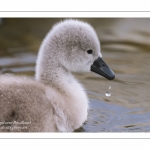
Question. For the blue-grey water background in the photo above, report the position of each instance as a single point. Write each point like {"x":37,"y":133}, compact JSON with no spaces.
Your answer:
{"x":125,"y":46}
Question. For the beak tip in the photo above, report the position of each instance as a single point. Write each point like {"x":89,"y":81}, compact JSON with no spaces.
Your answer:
{"x":112,"y":77}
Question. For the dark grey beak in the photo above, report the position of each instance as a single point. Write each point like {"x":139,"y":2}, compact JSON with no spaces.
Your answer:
{"x":100,"y":67}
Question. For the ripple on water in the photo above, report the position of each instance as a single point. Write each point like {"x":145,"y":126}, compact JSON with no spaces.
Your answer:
{"x":106,"y":117}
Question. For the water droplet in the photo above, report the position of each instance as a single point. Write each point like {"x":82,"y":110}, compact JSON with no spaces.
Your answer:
{"x":108,"y":94}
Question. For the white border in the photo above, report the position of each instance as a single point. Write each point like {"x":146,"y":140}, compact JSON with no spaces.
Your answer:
{"x":74,"y":5}
{"x":99,"y":135}
{"x":81,"y":14}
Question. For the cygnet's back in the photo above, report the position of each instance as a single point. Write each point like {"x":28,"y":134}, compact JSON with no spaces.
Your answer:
{"x":24,"y":106}
{"x":55,"y":101}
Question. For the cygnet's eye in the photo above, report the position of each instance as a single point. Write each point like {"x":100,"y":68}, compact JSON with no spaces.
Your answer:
{"x":90,"y":51}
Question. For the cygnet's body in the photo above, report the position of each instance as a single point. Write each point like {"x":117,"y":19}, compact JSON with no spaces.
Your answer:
{"x":55,"y":101}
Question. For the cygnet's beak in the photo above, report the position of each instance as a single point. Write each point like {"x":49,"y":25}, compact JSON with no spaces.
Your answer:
{"x":100,"y":67}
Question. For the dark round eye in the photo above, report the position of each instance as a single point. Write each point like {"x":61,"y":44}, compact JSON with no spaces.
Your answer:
{"x":90,"y":51}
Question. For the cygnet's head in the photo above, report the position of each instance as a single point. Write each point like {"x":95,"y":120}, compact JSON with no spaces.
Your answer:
{"x":73,"y":44}
{"x":77,"y":45}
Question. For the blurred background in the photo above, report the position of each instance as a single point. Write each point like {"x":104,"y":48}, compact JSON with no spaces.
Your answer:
{"x":121,"y":105}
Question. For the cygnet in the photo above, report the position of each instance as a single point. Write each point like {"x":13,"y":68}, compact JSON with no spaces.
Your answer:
{"x":54,"y":101}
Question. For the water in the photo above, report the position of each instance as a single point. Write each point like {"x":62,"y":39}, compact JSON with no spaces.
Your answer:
{"x":125,"y":48}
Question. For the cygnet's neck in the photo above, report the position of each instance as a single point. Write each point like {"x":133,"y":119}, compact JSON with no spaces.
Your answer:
{"x":59,"y":78}
{"x":50,"y":71}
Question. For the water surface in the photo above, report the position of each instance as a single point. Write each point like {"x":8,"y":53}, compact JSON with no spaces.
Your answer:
{"x":125,"y":45}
